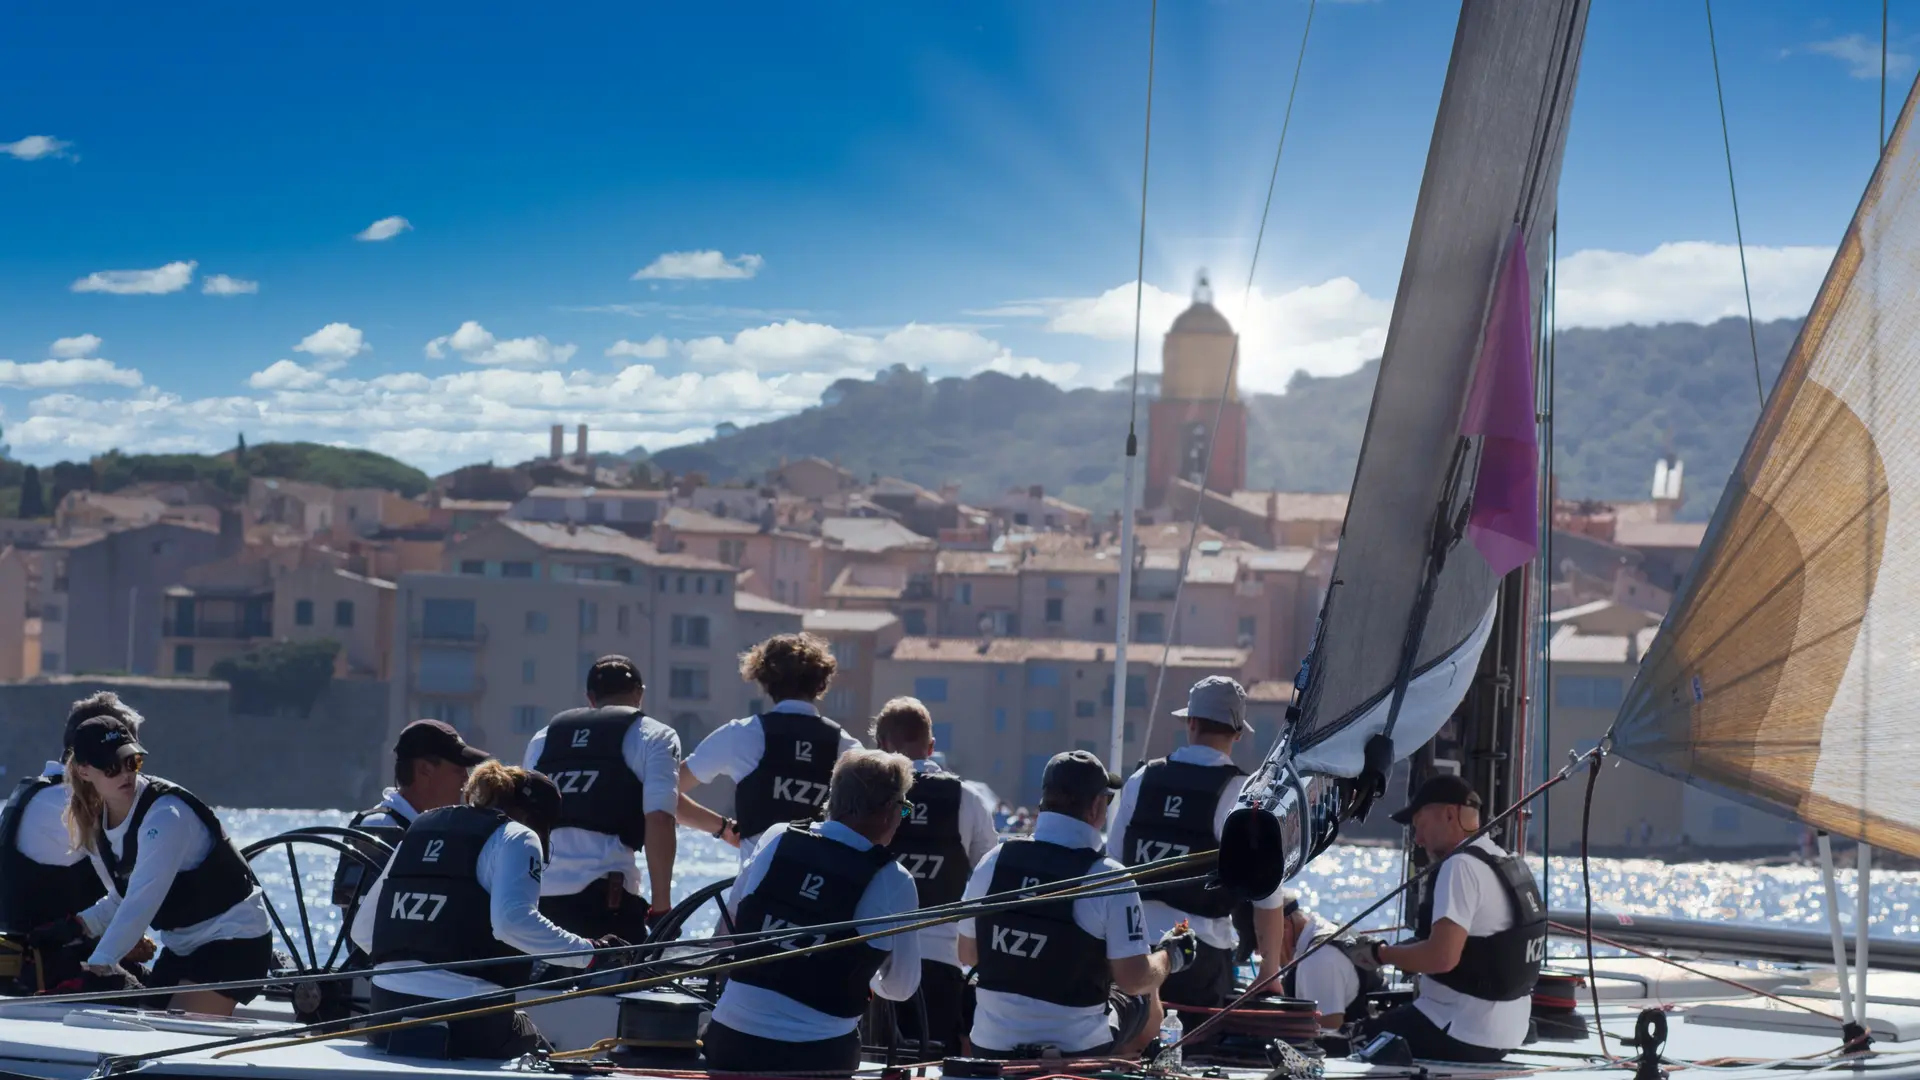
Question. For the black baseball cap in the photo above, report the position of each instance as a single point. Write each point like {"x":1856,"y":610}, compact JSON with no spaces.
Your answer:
{"x":1079,"y":774}
{"x":614,"y":674}
{"x":1443,"y":790}
{"x":104,"y":741}
{"x":435,"y":739}
{"x":541,"y":796}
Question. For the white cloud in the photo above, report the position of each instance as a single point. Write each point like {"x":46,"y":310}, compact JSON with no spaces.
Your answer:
{"x":49,"y":374}
{"x":1690,"y":281}
{"x":170,"y":278}
{"x":83,"y":345}
{"x":385,"y":229}
{"x":35,"y":147}
{"x":476,"y":345}
{"x":700,"y":266}
{"x":1862,"y":56}
{"x":332,"y":345}
{"x":797,"y":346}
{"x":285,"y":375}
{"x":654,"y":348}
{"x":222,"y":285}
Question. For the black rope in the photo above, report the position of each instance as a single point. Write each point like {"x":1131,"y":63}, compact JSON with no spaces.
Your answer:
{"x":1739,"y":237}
{"x":1586,"y":886}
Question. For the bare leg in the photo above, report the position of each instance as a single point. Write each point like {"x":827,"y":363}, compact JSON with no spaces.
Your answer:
{"x":203,"y":1001}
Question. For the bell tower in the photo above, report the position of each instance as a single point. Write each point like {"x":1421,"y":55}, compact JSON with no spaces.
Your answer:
{"x":1195,"y":360}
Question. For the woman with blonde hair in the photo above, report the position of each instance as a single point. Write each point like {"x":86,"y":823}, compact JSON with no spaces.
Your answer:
{"x":167,"y":864}
{"x":465,"y":885}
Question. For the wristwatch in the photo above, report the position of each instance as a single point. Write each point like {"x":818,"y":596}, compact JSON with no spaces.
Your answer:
{"x":725,"y":824}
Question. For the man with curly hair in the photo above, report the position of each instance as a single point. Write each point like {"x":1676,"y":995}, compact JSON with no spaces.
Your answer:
{"x":781,"y":760}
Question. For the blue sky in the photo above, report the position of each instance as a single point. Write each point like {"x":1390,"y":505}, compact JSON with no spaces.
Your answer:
{"x":819,"y":190}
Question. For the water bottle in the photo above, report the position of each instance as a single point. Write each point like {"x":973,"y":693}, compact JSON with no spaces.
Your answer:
{"x":1171,"y":1031}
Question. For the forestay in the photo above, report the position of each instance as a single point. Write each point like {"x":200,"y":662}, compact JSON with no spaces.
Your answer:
{"x":1786,"y":675}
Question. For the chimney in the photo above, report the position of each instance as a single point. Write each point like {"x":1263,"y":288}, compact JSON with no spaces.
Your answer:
{"x":580,"y":444}
{"x":1036,"y":491}
{"x":557,"y":445}
{"x":1273,"y":505}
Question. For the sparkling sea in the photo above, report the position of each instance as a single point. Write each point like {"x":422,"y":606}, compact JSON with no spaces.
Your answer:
{"x":1338,"y":885}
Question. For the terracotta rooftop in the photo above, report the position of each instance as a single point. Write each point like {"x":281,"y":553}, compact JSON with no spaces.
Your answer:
{"x":848,"y":622}
{"x":1271,"y":690}
{"x":746,"y":601}
{"x":549,"y":492}
{"x":1659,"y":534}
{"x":1294,"y":505}
{"x":977,"y":562}
{"x":600,"y":540}
{"x":872,"y":534}
{"x":687,"y":519}
{"x":1009,"y":650}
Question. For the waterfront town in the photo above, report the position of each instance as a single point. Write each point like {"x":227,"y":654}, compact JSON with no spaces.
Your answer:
{"x":483,"y":602}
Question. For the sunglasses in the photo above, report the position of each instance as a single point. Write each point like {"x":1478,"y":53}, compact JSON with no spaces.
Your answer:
{"x":132,"y":764}
{"x":906,"y":809}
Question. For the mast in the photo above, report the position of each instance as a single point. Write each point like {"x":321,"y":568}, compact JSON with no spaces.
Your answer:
{"x":1123,"y":611}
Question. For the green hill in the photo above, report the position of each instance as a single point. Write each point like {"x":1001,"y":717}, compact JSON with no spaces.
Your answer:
{"x":1622,"y":396}
{"x":333,"y":466}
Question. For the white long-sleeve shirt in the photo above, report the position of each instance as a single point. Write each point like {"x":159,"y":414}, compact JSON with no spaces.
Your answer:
{"x":769,"y":1014}
{"x":978,"y":839}
{"x":172,"y":839}
{"x":509,"y":869}
{"x":735,"y":749}
{"x":43,"y":825}
{"x":392,"y":803}
{"x":1161,"y":918}
{"x":580,"y":858}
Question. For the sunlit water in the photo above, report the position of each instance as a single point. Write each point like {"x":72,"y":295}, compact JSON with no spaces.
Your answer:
{"x":1338,"y":885}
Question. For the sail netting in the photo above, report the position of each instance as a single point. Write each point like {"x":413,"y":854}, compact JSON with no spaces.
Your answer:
{"x":1786,"y":674}
{"x":1493,"y":167}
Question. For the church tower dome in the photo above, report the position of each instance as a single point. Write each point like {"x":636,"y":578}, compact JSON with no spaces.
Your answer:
{"x":1196,"y":361}
{"x":1197,"y":351}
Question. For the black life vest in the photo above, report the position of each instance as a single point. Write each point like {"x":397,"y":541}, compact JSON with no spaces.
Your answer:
{"x":350,"y":876}
{"x":1038,"y":950}
{"x":599,"y":792}
{"x":433,"y":909}
{"x":928,"y":844}
{"x":32,"y":893}
{"x":790,"y":782}
{"x":812,"y":881}
{"x":1502,"y":966}
{"x":222,"y":880}
{"x":1371,"y":982}
{"x":1173,"y":816}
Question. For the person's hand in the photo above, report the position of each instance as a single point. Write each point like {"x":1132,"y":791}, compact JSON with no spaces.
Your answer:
{"x":729,"y":832}
{"x":610,"y":951}
{"x":654,"y":918}
{"x":142,"y":951}
{"x":1363,"y":952}
{"x":57,"y":934}
{"x":1181,"y":947}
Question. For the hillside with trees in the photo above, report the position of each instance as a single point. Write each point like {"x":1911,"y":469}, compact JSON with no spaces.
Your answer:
{"x":1622,"y":397}
{"x":25,"y":489}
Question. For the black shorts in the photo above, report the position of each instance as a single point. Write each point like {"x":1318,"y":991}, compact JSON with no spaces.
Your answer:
{"x":226,"y":960}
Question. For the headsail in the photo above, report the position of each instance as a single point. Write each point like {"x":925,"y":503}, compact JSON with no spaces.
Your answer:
{"x":1786,"y":674}
{"x":1494,"y":163}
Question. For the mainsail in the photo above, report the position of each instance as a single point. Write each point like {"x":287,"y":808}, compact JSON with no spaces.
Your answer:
{"x":1494,"y":165}
{"x":1786,"y":674}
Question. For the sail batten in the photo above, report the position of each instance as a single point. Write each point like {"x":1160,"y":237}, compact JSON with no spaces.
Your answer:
{"x":1788,"y":673}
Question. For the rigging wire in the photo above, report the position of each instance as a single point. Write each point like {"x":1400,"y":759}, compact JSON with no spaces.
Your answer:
{"x":1123,"y":628}
{"x":1549,"y":327}
{"x":1226,"y":387}
{"x":1726,"y":142}
{"x":1586,"y":887}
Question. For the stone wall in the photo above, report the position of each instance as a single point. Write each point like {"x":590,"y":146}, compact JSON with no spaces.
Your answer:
{"x":337,"y":757}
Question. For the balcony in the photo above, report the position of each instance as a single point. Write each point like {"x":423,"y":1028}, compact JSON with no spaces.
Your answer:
{"x":473,"y":687}
{"x":448,"y":635}
{"x":216,"y":629}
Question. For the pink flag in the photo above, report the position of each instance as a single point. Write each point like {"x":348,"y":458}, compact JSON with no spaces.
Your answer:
{"x":1505,"y":522}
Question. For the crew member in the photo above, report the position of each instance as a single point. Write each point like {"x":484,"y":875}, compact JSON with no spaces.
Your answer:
{"x":465,"y":885}
{"x":1479,"y":937}
{"x":44,"y":878}
{"x":1176,"y":806}
{"x":166,"y":863}
{"x":781,"y":760}
{"x":616,"y":769}
{"x":947,"y":833}
{"x":430,"y":764}
{"x":1326,"y":976}
{"x":801,"y":1014}
{"x":1048,"y":972}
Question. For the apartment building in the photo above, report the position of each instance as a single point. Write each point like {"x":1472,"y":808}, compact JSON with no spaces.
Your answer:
{"x":876,"y":563}
{"x":1594,"y":652}
{"x":305,"y":508}
{"x":501,"y":638}
{"x":102,"y":597}
{"x":229,"y":608}
{"x":859,"y":639}
{"x":780,"y":564}
{"x":1032,"y":508}
{"x":812,"y":478}
{"x":365,"y":511}
{"x":1003,"y":706}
